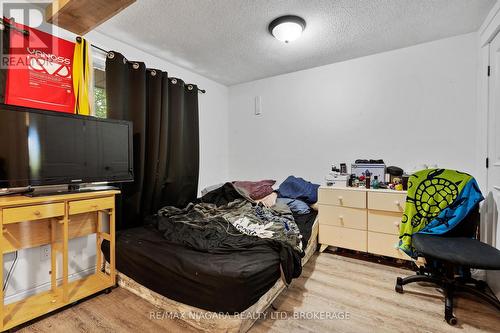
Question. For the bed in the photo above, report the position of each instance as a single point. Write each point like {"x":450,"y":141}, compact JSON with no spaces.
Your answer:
{"x":195,"y":285}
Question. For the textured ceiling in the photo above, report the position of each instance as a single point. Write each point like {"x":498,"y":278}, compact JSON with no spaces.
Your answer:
{"x":228,"y":41}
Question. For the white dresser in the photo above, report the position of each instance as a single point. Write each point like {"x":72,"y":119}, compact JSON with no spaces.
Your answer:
{"x":361,"y":219}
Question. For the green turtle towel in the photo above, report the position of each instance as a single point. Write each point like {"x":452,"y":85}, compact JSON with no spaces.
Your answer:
{"x":437,"y":200}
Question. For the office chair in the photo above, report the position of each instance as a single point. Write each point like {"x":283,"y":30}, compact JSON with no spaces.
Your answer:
{"x":449,"y":258}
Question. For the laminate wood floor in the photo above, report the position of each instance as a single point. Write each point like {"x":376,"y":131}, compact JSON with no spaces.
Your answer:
{"x":330,"y":286}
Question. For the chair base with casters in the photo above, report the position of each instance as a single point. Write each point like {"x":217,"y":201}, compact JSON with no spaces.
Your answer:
{"x":448,"y":265}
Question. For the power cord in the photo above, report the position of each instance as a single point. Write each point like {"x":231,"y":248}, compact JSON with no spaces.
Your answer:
{"x":7,"y":279}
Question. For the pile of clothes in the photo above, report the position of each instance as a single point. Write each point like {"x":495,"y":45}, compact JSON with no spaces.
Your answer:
{"x":298,"y":194}
{"x":238,"y":215}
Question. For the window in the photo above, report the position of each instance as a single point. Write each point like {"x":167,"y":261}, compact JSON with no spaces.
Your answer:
{"x":100,"y":109}
{"x":99,"y":61}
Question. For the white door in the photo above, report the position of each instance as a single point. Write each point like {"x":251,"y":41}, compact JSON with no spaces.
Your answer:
{"x":494,"y":123}
{"x":493,"y":197}
{"x":494,"y":118}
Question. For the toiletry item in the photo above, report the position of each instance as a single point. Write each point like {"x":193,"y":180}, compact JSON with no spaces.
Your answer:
{"x":367,"y":181}
{"x":350,"y":182}
{"x":375,"y":183}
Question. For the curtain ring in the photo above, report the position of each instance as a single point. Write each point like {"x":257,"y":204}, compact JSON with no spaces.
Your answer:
{"x":190,"y":87}
{"x":153,"y":73}
{"x":135,"y":65}
{"x":111,"y":55}
{"x":174,"y":81}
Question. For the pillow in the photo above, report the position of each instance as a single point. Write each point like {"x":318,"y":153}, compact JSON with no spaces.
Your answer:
{"x":269,"y":200}
{"x":254,"y":190}
{"x":211,"y":188}
{"x":295,"y":205}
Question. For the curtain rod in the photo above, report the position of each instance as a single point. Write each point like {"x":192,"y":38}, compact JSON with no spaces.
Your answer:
{"x":79,"y":40}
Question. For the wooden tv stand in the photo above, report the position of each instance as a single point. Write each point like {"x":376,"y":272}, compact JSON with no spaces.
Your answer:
{"x":28,"y":222}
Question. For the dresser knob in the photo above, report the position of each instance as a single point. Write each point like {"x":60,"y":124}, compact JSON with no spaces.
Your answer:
{"x":397,"y":203}
{"x":396,"y":245}
{"x":37,"y":213}
{"x":396,"y":224}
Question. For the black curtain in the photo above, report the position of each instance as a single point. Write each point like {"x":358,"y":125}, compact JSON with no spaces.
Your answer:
{"x":164,"y":112}
{"x":5,"y":49}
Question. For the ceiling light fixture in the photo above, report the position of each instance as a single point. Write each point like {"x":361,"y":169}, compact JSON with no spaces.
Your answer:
{"x":287,"y":28}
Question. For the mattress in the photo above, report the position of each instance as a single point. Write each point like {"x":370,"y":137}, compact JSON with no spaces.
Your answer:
{"x":218,"y":282}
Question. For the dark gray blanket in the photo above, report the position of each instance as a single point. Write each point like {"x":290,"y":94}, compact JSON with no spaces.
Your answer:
{"x":233,"y":224}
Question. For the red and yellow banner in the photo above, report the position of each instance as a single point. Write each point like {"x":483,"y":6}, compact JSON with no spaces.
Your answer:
{"x":39,"y":70}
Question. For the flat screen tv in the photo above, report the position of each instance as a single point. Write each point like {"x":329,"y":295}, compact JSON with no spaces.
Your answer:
{"x":39,"y":147}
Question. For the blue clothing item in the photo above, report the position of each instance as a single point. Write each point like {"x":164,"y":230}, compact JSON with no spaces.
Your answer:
{"x":295,"y":205}
{"x":298,"y":188}
{"x":452,"y":215}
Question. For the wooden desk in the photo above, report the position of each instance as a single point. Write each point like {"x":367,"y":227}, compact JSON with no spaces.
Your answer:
{"x":31,"y":222}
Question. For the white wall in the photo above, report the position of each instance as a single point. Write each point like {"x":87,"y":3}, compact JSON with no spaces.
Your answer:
{"x":408,"y":106}
{"x":31,"y":273}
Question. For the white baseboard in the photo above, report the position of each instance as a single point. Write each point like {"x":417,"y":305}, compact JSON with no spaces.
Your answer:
{"x":46,"y":286}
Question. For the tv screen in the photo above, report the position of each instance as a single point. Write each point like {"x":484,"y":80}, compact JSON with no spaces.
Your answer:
{"x":52,"y":148}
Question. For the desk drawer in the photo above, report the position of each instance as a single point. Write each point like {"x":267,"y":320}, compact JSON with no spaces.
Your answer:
{"x":344,"y":198}
{"x":385,"y":245}
{"x":354,"y":218}
{"x":342,"y":237}
{"x":30,"y":213}
{"x":91,"y":205}
{"x":386,"y":222}
{"x":392,"y":202}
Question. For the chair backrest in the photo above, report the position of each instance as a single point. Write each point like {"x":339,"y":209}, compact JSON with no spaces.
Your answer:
{"x":433,"y":191}
{"x":468,"y":227}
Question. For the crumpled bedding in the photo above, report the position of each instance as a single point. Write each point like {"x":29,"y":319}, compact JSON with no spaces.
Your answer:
{"x":223,"y":221}
{"x":250,"y":219}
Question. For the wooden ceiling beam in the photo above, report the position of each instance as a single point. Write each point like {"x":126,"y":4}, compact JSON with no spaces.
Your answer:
{"x":81,"y":16}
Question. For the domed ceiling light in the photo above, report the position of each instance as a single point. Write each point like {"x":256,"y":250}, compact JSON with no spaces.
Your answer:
{"x":287,"y":28}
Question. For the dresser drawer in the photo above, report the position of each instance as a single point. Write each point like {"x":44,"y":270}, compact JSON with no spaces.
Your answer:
{"x":393,"y":202}
{"x":342,"y":237}
{"x":91,"y":205}
{"x":382,"y":221}
{"x":386,"y":245}
{"x":30,"y":213}
{"x":342,"y":216}
{"x":340,"y":197}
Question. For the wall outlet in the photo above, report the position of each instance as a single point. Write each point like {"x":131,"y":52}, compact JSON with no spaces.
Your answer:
{"x":44,"y":252}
